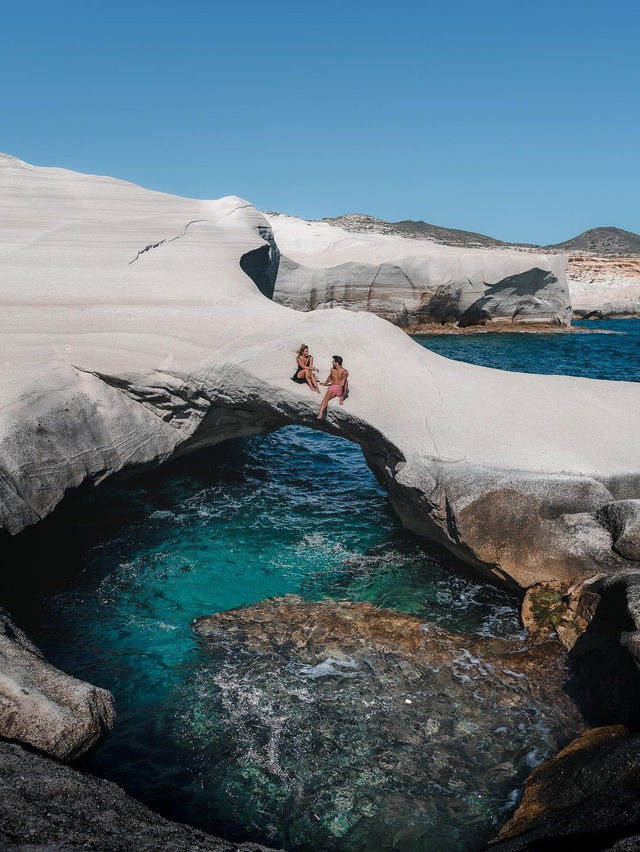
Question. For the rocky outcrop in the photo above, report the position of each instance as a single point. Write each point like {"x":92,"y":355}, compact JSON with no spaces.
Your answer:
{"x":553,"y":610}
{"x":604,"y":286}
{"x":374,"y":722}
{"x":530,"y":298}
{"x":45,"y":805}
{"x":416,"y":282}
{"x":43,"y":707}
{"x":622,"y":519}
{"x":602,"y":275}
{"x":133,"y":333}
{"x":586,"y":797}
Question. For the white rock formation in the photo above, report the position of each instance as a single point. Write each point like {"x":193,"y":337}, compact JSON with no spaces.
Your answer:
{"x":414,"y":282}
{"x":130,"y":332}
{"x":602,"y":286}
{"x":43,"y":707}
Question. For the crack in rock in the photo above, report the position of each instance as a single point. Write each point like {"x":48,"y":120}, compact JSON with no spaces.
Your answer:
{"x":166,"y":240}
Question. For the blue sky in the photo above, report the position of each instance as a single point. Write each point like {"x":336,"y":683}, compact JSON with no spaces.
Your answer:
{"x":516,"y":119}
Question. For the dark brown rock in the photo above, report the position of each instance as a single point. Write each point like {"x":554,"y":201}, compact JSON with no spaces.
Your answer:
{"x":586,"y":797}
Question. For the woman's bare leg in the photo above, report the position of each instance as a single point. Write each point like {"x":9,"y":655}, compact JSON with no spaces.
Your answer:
{"x":307,"y":375}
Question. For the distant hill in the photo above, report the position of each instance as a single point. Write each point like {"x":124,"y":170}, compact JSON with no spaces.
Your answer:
{"x":419,"y":230}
{"x":601,"y":241}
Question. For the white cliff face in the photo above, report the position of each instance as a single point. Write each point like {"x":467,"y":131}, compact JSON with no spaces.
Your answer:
{"x":415,"y":281}
{"x":604,"y":285}
{"x":130,"y":332}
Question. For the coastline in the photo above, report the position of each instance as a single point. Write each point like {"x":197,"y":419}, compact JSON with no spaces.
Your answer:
{"x":505,"y":328}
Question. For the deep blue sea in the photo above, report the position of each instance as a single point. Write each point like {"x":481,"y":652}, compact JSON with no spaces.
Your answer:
{"x":292,"y":512}
{"x":612,"y":352}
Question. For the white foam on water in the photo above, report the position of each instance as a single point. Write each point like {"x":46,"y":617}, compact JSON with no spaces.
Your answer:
{"x":331,"y":668}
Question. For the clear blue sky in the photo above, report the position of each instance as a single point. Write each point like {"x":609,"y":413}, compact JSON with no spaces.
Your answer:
{"x":516,"y":119}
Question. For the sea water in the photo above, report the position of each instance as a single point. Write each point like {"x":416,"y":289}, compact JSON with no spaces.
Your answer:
{"x":292,"y":512}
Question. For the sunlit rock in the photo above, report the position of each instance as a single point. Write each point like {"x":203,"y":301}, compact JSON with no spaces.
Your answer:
{"x":416,"y":282}
{"x":137,"y":325}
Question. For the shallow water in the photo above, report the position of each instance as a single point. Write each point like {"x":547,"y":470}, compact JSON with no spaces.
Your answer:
{"x":292,"y":512}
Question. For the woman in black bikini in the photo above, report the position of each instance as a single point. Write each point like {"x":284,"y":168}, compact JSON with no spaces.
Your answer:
{"x":304,"y":369}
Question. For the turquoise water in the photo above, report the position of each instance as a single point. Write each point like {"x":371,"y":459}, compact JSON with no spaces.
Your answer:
{"x":292,"y":512}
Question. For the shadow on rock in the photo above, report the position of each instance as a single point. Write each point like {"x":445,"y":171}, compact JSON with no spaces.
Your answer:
{"x":605,"y":681}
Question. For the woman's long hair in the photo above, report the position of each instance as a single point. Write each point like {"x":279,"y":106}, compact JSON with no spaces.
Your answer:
{"x":303,"y":346}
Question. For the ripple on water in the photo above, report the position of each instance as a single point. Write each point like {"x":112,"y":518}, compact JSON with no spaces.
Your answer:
{"x":355,"y":729}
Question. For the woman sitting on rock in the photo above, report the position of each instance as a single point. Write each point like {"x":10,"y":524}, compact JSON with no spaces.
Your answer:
{"x":338,"y":381}
{"x":304,"y":369}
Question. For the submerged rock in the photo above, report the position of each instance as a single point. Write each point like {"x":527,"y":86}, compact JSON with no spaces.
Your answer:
{"x":360,"y":728}
{"x":47,"y":806}
{"x":44,"y":707}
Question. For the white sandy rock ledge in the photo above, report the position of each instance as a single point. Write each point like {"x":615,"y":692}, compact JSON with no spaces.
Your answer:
{"x":130,"y":333}
{"x":415,"y":282}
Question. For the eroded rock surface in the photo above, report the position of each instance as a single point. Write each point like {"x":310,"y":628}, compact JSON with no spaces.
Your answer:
{"x":369,"y":728}
{"x":529,"y":298}
{"x":47,"y":806}
{"x":416,"y":282}
{"x":602,"y":274}
{"x":131,"y":333}
{"x":44,"y":707}
{"x":603,"y":287}
{"x":622,"y":518}
{"x":553,"y":609}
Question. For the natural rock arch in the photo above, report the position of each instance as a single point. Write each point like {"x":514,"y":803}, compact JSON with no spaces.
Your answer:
{"x":117,"y":364}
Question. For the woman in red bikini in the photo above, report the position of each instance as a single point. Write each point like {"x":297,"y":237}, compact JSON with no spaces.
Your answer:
{"x":338,"y":384}
{"x":304,"y":369}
